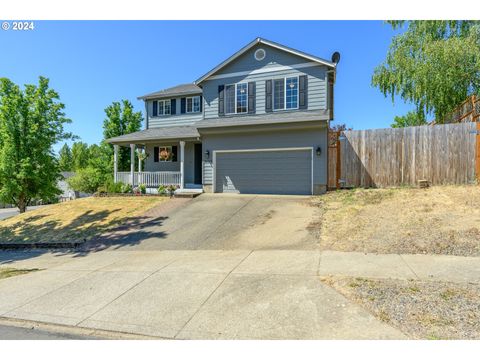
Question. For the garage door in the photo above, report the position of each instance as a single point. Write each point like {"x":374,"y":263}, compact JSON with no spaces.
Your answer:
{"x":264,"y":172}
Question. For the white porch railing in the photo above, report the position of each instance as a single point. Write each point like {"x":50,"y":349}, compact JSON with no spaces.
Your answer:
{"x":150,"y":178}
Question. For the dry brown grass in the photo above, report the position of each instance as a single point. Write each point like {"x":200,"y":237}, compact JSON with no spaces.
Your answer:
{"x":9,"y":272}
{"x":437,"y":220}
{"x":74,"y":221}
{"x":421,"y":309}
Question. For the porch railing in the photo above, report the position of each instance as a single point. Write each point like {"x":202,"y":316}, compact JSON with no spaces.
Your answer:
{"x":150,"y":178}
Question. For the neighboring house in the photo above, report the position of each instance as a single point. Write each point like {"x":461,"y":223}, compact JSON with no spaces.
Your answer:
{"x":67,"y":192}
{"x":256,"y":123}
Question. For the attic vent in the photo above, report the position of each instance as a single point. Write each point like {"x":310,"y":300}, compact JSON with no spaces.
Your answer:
{"x":260,"y":54}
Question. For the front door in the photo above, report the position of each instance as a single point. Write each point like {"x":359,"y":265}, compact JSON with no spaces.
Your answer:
{"x":198,"y":164}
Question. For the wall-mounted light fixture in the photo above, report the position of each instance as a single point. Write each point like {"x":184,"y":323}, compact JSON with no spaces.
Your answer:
{"x":207,"y":153}
{"x":319,"y":151}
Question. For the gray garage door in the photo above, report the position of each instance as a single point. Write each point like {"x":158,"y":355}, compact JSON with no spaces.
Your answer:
{"x":264,"y":172}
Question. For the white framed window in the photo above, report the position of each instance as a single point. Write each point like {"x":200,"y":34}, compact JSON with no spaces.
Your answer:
{"x":285,"y":93}
{"x":236,"y":98}
{"x":164,"y":107}
{"x":193,"y":104}
{"x":165,"y":154}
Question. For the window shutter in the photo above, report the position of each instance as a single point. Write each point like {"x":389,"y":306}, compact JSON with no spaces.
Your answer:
{"x":174,"y":153}
{"x":251,"y":97}
{"x":173,"y":106}
{"x":221,"y":100}
{"x":201,"y":103}
{"x":268,"y":96}
{"x":155,"y":154}
{"x":303,"y":92}
{"x":155,"y":108}
{"x":183,"y":105}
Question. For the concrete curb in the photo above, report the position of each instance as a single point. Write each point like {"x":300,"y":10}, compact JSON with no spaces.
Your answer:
{"x":75,"y":330}
{"x":61,"y":245}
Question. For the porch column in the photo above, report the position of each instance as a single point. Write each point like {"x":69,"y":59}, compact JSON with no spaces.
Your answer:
{"x":132,"y":163}
{"x":139,"y":164}
{"x":115,"y":162}
{"x":182,"y":156}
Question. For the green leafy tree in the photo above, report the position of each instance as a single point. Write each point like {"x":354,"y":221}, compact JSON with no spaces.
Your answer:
{"x":412,"y":118}
{"x":65,"y":159}
{"x":31,"y":122}
{"x":87,"y":180}
{"x":121,"y":119}
{"x":432,"y":64}
{"x":80,"y":155}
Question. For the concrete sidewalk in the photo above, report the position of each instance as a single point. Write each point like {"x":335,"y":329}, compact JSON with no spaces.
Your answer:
{"x":203,"y":294}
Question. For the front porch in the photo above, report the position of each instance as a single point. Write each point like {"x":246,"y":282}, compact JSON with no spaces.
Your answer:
{"x":176,"y":163}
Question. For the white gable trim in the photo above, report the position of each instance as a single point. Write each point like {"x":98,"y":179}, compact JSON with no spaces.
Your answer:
{"x":269,"y":43}
{"x":263,"y":71}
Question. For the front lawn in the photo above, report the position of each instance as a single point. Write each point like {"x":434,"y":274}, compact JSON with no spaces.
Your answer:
{"x":74,"y":221}
{"x":436,"y":220}
{"x":421,"y":309}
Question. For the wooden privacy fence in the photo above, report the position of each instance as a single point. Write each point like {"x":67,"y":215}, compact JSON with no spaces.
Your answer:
{"x":440,"y":154}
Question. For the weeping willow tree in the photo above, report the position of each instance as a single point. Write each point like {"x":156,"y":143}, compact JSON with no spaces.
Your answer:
{"x":435,"y":65}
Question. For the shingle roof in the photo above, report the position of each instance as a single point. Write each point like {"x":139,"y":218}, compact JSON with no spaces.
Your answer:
{"x":165,"y":133}
{"x":273,"y":118}
{"x":182,"y":89}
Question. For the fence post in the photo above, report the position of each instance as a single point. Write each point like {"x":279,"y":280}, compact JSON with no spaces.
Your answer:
{"x":477,"y":162}
{"x":338,"y":169}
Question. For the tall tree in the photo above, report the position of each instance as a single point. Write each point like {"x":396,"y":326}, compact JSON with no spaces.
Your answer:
{"x":65,"y":160}
{"x":432,"y":64}
{"x":80,"y":155}
{"x":121,"y":119}
{"x":31,"y":122}
{"x":412,"y":118}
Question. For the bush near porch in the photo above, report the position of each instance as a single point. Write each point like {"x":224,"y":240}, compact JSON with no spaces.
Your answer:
{"x":74,"y":221}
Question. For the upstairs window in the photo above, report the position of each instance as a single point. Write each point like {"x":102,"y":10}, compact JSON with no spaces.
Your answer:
{"x":236,"y":98}
{"x":291,"y":95}
{"x":279,"y":94}
{"x":285,"y":93}
{"x":193,"y":104}
{"x":164,"y":107}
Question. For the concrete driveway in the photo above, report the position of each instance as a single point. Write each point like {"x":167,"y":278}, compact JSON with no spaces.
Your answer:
{"x":217,"y":267}
{"x":225,"y":222}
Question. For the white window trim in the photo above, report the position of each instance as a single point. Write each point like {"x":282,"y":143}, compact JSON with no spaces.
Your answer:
{"x":285,"y":93}
{"x":186,"y":107}
{"x":163,"y":107}
{"x":235,"y":107}
{"x":164,"y":146}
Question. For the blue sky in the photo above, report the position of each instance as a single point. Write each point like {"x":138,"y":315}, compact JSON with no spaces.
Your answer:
{"x":92,"y":64}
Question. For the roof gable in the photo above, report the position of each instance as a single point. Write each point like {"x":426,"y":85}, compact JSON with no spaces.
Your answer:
{"x":258,"y":41}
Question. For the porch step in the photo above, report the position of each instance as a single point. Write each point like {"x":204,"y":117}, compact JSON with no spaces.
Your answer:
{"x":187,"y":194}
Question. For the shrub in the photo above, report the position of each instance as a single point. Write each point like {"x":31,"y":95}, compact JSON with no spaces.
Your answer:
{"x":162,"y":190}
{"x":111,"y":187}
{"x":171,"y":189}
{"x":142,"y":188}
{"x":127,"y":189}
{"x":86,"y":180}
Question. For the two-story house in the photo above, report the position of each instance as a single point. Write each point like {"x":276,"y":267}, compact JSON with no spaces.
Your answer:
{"x":256,"y":123}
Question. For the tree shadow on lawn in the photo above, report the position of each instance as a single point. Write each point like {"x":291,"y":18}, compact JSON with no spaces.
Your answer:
{"x":98,"y":235}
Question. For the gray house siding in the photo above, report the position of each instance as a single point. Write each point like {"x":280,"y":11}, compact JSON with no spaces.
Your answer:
{"x":311,"y":137}
{"x":273,"y":58}
{"x":171,"y":120}
{"x":317,"y":88}
{"x":317,"y":78}
{"x":151,"y":165}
